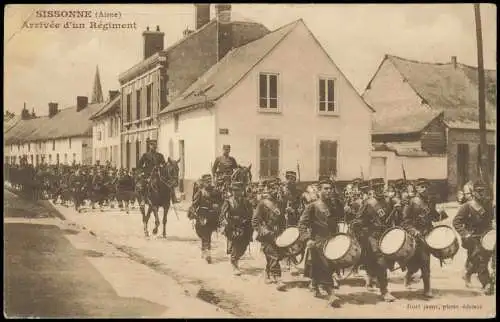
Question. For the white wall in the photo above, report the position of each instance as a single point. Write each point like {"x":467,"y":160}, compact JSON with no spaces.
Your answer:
{"x":299,"y":61}
{"x":415,"y":167}
{"x":106,"y":142}
{"x":45,"y":148}
{"x":197,"y":129}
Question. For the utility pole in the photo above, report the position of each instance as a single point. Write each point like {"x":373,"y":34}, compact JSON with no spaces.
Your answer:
{"x":482,"y":108}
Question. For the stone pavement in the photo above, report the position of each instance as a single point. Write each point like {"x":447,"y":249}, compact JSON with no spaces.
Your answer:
{"x":179,"y":256}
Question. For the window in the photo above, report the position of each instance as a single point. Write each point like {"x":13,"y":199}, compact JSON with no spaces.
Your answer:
{"x":65,"y":158}
{"x":129,"y":108}
{"x":69,"y":142}
{"x":98,"y":135}
{"x":50,"y":158}
{"x":176,"y":122}
{"x":96,"y":153}
{"x":32,"y":159}
{"x":137,"y":152}
{"x":74,"y":157}
{"x":127,"y":154}
{"x":40,"y":145}
{"x":462,"y":164}
{"x":491,"y":160}
{"x":29,"y":147}
{"x":327,"y":158}
{"x":149,"y":99}
{"x":269,"y":158}
{"x":37,"y":158}
{"x":268,"y":91}
{"x":138,"y":104}
{"x":53,"y":145}
{"x":57,"y":158}
{"x":111,"y":124}
{"x":326,"y":95}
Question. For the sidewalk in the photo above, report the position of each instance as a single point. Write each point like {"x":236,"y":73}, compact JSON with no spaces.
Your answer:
{"x":247,"y":296}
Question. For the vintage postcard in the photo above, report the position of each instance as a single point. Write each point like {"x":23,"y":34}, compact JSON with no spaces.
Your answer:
{"x":250,"y":160}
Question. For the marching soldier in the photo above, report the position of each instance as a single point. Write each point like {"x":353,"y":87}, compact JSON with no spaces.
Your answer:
{"x":151,"y":159}
{"x":291,"y":199}
{"x":205,"y":210}
{"x":224,"y":165}
{"x":473,"y":220}
{"x":236,"y":214}
{"x":269,"y":223}
{"x":418,"y":216}
{"x":318,"y":223}
{"x":371,"y":222}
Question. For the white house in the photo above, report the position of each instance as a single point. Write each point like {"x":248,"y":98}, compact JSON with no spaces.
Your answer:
{"x":106,"y":132}
{"x":64,"y":136}
{"x":280,"y":102}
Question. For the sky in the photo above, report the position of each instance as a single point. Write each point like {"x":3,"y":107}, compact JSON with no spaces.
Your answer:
{"x":43,"y":65}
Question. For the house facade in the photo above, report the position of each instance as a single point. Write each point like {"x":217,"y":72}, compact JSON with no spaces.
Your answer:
{"x":407,"y":95}
{"x":281,"y":103}
{"x":62,"y":137}
{"x":163,"y":74}
{"x":106,"y":132}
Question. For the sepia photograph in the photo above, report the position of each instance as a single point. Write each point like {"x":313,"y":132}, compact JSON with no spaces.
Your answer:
{"x":217,"y":160}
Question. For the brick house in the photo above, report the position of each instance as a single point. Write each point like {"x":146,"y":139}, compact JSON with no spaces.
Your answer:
{"x":164,"y":73}
{"x":434,"y":106}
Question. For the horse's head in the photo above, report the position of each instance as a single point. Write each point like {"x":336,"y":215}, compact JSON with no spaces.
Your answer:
{"x":243,"y":174}
{"x":172,"y":169}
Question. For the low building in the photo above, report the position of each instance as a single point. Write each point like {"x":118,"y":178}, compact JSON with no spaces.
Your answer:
{"x":427,"y":118}
{"x":64,"y":136}
{"x":106,"y":132}
{"x":281,"y":103}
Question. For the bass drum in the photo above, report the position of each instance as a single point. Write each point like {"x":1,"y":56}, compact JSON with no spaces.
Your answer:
{"x":442,"y":242}
{"x":489,"y":240}
{"x":397,"y":244}
{"x":342,"y":251}
{"x":290,"y":243}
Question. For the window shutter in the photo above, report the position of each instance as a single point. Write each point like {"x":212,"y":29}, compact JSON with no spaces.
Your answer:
{"x":273,"y":91}
{"x":263,"y":90}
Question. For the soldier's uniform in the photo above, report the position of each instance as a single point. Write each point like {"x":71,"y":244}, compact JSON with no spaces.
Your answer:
{"x":269,"y":223}
{"x":77,"y":185}
{"x":291,"y":199}
{"x":317,"y":224}
{"x":224,"y":165}
{"x":418,"y":216}
{"x":473,"y":220}
{"x":236,"y":214}
{"x":124,"y":189}
{"x":372,"y":220}
{"x":205,"y":211}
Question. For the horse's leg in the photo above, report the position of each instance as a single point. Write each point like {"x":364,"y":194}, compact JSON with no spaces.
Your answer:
{"x":164,"y":222}
{"x":145,"y":220}
{"x":157,"y":219}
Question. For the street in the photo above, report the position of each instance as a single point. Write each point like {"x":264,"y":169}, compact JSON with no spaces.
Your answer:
{"x":55,"y":270}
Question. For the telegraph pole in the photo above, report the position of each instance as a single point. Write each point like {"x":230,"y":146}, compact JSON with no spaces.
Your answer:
{"x":482,"y":108}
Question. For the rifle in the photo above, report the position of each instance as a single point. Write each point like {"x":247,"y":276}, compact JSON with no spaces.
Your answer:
{"x":298,"y":171}
{"x":404,"y":172}
{"x":362,"y":174}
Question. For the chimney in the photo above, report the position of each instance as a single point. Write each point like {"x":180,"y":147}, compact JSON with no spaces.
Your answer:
{"x":454,"y":61}
{"x":81,"y":102}
{"x":202,"y":13}
{"x":153,"y":41}
{"x":53,"y":109}
{"x":113,"y":94}
{"x":224,"y":30}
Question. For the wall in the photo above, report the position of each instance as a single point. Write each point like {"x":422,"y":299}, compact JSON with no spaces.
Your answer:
{"x":434,"y":137}
{"x":299,"y":61}
{"x":45,"y":148}
{"x":107,"y":142}
{"x":197,"y":129}
{"x":470,"y":137}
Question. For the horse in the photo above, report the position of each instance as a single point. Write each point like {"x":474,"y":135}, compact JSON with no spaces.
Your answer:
{"x":244,"y":175}
{"x":158,"y":194}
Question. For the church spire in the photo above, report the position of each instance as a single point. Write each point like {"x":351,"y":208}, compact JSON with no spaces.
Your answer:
{"x":97,"y":89}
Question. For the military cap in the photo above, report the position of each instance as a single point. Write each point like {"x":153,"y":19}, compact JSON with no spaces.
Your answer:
{"x":363,"y":186}
{"x":206,"y":177}
{"x":152,"y":141}
{"x":399,"y":183}
{"x":226,"y":146}
{"x":377,"y":182}
{"x":357,"y":181}
{"x":237,"y":185}
{"x":422,"y":182}
{"x":324,"y":179}
{"x":479,"y":186}
{"x":291,"y":174}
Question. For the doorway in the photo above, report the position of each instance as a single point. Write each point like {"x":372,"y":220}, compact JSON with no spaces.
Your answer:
{"x":462,"y":164}
{"x":182,"y":165}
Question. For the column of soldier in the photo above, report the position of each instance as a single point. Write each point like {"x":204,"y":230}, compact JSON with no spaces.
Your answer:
{"x":373,"y":226}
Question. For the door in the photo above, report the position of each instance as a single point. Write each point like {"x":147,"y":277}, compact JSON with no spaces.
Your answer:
{"x":462,"y":164}
{"x":378,"y":168}
{"x":182,"y":165}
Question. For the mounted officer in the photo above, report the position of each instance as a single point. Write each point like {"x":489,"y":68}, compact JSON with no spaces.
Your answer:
{"x":224,"y":165}
{"x":151,"y":159}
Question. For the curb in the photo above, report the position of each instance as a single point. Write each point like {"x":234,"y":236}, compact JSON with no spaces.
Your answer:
{"x":42,"y":203}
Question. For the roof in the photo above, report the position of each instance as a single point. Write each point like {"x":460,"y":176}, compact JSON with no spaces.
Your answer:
{"x":401,"y":149}
{"x":7,"y":124}
{"x":66,"y":123}
{"x":224,"y":75}
{"x":452,"y":90}
{"x":412,"y":122}
{"x":109,"y":107}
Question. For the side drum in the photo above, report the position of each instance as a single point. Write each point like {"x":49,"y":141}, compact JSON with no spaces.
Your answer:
{"x":442,"y":242}
{"x":342,"y":250}
{"x":289,"y":241}
{"x":489,"y":240}
{"x":397,"y":244}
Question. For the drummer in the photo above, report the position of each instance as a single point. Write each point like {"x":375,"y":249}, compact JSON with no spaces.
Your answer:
{"x":317,"y":224}
{"x":291,"y":198}
{"x":418,"y":216}
{"x":472,"y":222}
{"x":369,"y":225}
